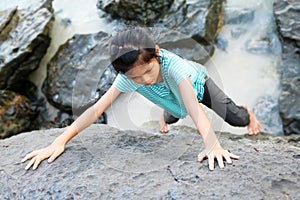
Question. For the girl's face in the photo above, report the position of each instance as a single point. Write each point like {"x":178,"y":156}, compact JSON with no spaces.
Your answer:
{"x":145,"y":73}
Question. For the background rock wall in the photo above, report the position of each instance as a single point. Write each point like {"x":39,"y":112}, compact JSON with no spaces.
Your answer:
{"x":287,"y":14}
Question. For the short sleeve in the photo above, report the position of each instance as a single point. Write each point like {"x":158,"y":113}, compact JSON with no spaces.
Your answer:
{"x":124,"y":84}
{"x":179,"y":68}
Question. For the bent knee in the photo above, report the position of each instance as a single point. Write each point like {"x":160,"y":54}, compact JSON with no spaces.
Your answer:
{"x":238,"y":118}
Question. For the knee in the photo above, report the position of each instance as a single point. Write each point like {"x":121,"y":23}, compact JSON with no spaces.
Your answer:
{"x":238,"y":118}
{"x":170,"y":119}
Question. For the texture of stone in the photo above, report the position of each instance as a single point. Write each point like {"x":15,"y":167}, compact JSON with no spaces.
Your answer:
{"x":106,"y":163}
{"x":24,"y":39}
{"x":15,"y":113}
{"x":287,"y":15}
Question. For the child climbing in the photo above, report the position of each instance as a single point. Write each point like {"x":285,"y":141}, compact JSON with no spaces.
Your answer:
{"x":177,"y":85}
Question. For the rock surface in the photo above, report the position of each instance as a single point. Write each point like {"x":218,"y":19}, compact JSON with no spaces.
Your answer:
{"x":144,"y":11}
{"x":106,"y":163}
{"x":183,"y":27}
{"x":76,"y":70}
{"x":24,"y":39}
{"x":287,"y":15}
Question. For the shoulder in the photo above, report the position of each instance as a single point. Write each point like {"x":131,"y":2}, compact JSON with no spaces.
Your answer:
{"x":170,"y":60}
{"x":124,"y":84}
{"x":169,"y":56}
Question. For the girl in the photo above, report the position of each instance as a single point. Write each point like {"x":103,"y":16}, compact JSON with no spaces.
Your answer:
{"x":175,"y":84}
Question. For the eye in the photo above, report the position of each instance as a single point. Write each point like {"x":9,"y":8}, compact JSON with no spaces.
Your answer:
{"x":149,"y":70}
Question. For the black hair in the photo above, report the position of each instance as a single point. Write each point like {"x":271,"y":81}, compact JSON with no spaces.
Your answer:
{"x":129,"y":46}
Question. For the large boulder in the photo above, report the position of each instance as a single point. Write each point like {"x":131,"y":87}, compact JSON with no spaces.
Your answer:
{"x":187,"y":28}
{"x":24,"y":39}
{"x":106,"y":163}
{"x":287,"y":14}
{"x":143,"y":11}
{"x":75,"y":75}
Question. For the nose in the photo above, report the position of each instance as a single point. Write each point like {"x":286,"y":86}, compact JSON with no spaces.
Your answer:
{"x":146,"y":80}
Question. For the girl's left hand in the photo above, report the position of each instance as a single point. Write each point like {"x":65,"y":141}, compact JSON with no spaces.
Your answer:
{"x":219,"y":153}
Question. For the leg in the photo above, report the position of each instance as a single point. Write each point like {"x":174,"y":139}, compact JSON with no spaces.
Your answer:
{"x":219,"y":102}
{"x":166,"y":119}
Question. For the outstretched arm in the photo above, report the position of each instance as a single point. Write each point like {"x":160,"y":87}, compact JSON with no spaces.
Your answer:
{"x":212,"y":146}
{"x":84,"y":120}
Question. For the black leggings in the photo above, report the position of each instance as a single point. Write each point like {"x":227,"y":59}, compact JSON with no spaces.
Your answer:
{"x":215,"y":99}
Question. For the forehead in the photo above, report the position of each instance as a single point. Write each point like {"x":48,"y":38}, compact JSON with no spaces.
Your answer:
{"x":139,"y":68}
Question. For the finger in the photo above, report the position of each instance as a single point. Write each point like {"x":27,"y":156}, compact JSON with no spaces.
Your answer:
{"x":211,"y":163}
{"x":54,"y":156}
{"x":36,"y":163}
{"x":227,"y":158}
{"x":30,"y":164}
{"x":201,"y":156}
{"x":234,"y":156}
{"x":220,"y":162}
{"x":30,"y":155}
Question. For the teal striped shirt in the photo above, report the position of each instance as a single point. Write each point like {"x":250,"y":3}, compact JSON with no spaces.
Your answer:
{"x":166,"y":94}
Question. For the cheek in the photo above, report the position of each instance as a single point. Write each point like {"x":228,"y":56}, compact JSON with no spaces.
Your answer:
{"x":138,"y":80}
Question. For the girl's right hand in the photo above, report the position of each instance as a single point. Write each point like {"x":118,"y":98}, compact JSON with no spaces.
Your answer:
{"x":52,"y":152}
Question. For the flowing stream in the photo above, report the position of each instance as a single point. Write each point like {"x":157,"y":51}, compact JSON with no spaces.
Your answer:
{"x":246,"y":77}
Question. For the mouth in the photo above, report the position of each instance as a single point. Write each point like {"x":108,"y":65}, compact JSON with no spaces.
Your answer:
{"x":148,"y":84}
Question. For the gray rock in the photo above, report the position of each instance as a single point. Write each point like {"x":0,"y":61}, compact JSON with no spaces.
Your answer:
{"x":106,"y":163}
{"x":75,"y":71}
{"x":145,"y":12}
{"x":24,"y":39}
{"x":237,"y":32}
{"x":258,"y":46}
{"x":238,"y":15}
{"x":287,"y":16}
{"x":266,"y":111}
{"x":187,"y":28}
{"x":269,"y":44}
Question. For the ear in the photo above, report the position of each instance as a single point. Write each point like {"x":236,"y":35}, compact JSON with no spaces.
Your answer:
{"x":156,"y":50}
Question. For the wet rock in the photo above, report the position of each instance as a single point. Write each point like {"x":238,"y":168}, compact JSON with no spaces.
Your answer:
{"x":187,"y":28}
{"x":145,"y":12}
{"x":201,"y":20}
{"x":269,"y":44}
{"x":267,"y":112}
{"x":106,"y":163}
{"x":15,"y":113}
{"x":237,"y":32}
{"x":258,"y":46}
{"x":238,"y":16}
{"x":287,"y":17}
{"x":221,"y":43}
{"x":183,"y":45}
{"x":76,"y":71}
{"x":24,"y":39}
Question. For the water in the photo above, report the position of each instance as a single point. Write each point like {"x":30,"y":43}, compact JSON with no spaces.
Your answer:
{"x":244,"y":76}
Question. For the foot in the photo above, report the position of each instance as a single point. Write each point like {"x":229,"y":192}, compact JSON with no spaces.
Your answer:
{"x":254,"y":126}
{"x":162,"y":125}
